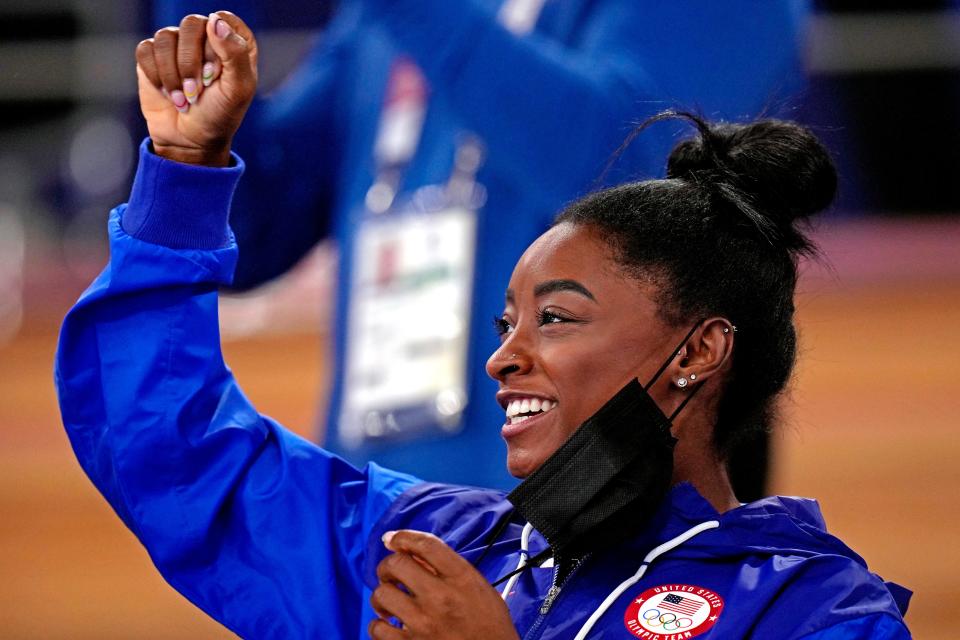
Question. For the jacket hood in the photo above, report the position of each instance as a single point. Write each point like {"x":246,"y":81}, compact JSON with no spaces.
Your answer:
{"x":775,"y":526}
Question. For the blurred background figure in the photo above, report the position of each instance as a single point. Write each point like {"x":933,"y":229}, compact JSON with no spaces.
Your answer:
{"x":433,"y":141}
{"x":874,"y":401}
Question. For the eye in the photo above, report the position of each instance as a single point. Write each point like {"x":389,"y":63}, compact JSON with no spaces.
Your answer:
{"x":545,"y":316}
{"x":502,"y":326}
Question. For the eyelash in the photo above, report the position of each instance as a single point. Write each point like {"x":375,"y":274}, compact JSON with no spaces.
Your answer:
{"x":503,"y":327}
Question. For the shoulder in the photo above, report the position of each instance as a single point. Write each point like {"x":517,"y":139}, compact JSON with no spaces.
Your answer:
{"x":461,"y":516}
{"x":455,"y":513}
{"x":819,"y":591}
{"x":874,"y":627}
{"x":805,"y":578}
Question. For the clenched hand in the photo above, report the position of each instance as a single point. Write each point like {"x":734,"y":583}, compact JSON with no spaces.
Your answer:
{"x":195,"y":83}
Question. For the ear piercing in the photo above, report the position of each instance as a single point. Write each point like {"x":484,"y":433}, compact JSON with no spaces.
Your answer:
{"x":683,"y":382}
{"x":727,"y":329}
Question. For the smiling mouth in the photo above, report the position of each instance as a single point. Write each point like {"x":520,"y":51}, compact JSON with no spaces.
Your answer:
{"x":521,"y":409}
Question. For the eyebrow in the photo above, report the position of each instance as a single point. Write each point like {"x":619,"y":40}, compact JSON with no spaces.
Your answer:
{"x":552,"y":286}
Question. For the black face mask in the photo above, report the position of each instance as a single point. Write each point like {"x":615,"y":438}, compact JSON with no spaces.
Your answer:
{"x":604,"y":482}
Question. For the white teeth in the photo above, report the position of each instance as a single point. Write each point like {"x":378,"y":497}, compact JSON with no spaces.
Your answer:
{"x":525,"y":406}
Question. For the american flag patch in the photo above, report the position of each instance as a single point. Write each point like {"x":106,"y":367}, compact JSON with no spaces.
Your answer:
{"x":679,"y":604}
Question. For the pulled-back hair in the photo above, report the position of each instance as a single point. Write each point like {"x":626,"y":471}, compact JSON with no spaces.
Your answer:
{"x":721,"y":236}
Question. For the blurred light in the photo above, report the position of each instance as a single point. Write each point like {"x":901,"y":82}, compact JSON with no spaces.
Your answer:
{"x":101,"y":155}
{"x":84,"y":242}
{"x":450,"y":404}
{"x":12,"y":250}
{"x":448,"y":326}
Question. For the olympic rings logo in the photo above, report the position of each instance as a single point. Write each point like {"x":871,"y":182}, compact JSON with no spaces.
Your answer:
{"x":670,"y":621}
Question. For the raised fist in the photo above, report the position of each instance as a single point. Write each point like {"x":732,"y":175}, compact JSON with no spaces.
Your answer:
{"x":196,"y":82}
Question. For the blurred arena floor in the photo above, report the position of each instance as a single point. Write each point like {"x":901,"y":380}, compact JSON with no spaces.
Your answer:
{"x":870,"y":430}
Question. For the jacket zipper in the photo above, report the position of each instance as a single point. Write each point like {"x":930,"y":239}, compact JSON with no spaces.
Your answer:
{"x":552,"y":595}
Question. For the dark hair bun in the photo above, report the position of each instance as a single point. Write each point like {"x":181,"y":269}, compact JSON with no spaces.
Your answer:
{"x":771,"y":171}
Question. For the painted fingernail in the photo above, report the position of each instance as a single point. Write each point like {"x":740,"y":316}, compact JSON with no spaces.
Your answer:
{"x":179,"y":100}
{"x":191,"y":90}
{"x":207,"y":78}
{"x":387,"y":537}
{"x":222,"y":28}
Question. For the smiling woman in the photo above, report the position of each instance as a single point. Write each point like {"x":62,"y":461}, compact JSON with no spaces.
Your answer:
{"x":575,"y":330}
{"x":642,"y":335}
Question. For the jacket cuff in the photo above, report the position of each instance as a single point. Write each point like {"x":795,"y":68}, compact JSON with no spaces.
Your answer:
{"x":180,"y":206}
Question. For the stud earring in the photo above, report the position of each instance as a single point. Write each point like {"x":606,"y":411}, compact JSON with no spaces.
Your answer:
{"x":681,"y":382}
{"x":693,"y":377}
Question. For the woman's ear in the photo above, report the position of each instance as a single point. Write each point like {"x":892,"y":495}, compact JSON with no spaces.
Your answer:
{"x":707,"y":352}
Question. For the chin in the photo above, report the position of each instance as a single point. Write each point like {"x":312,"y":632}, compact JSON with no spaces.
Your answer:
{"x":520,"y":465}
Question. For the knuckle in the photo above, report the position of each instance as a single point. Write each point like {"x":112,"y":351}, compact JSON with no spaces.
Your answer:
{"x":165,"y":38}
{"x":429,"y":627}
{"x":144,"y":49}
{"x":385,"y":567}
{"x":446,"y":602}
{"x":193,"y":21}
{"x":166,"y":33}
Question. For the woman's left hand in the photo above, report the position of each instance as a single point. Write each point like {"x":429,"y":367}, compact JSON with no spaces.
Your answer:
{"x":445,"y":598}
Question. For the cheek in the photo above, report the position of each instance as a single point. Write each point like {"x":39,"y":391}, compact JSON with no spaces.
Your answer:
{"x":592,"y":376}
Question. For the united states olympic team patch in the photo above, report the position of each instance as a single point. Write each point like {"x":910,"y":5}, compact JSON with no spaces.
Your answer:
{"x":672,"y":612}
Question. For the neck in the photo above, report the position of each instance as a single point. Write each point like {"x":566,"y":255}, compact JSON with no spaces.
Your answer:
{"x":696,"y":462}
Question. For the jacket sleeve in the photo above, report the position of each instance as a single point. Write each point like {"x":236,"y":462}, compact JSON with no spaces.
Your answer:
{"x":571,"y":104}
{"x":872,"y":627}
{"x":261,"y":529}
{"x":290,"y":142}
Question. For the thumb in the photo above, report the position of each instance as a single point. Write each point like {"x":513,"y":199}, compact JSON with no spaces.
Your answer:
{"x":234,"y":44}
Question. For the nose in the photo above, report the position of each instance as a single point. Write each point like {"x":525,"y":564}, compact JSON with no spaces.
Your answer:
{"x":511,"y":358}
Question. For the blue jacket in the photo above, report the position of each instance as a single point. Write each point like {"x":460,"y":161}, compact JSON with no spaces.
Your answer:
{"x":277,"y":538}
{"x":551,"y":107}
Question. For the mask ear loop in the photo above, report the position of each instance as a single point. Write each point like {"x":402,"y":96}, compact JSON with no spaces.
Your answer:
{"x":673,"y":355}
{"x":685,"y":401}
{"x":492,"y":538}
{"x":666,"y":364}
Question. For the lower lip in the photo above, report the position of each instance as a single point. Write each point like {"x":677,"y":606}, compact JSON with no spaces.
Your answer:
{"x":511,"y":430}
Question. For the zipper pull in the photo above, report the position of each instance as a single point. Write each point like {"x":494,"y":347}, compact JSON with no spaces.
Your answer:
{"x":548,"y":601}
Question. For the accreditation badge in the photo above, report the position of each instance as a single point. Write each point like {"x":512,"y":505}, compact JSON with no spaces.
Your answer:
{"x":408,"y":324}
